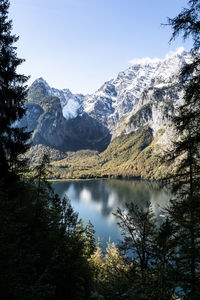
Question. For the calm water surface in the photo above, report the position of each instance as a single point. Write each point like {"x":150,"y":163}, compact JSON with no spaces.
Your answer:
{"x":97,"y":200}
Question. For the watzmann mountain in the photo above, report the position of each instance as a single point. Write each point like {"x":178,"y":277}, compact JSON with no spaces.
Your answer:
{"x":143,"y":97}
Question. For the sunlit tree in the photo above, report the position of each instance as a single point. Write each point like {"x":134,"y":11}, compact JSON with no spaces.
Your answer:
{"x":89,"y":239}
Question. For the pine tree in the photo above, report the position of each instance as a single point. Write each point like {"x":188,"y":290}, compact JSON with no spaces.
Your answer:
{"x":185,"y":207}
{"x":97,"y":269}
{"x":80,"y":231}
{"x":187,"y":23}
{"x":40,"y":254}
{"x":13,"y":140}
{"x":187,"y":121}
{"x":184,"y":215}
{"x":138,"y":227}
{"x":162,"y":281}
{"x":80,"y":235}
{"x":89,"y":239}
{"x":116,"y":283}
{"x":40,"y":173}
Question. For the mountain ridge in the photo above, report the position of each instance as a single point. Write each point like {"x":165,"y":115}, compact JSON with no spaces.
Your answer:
{"x":146,"y":94}
{"x":119,"y":96}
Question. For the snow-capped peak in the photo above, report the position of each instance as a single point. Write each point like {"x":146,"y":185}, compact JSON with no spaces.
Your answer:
{"x":41,"y":80}
{"x":119,"y":96}
{"x":71,"y":104}
{"x":154,"y":61}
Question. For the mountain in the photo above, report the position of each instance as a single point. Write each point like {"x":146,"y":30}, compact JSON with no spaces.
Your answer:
{"x":58,"y":120}
{"x":143,"y":96}
{"x":144,"y":83}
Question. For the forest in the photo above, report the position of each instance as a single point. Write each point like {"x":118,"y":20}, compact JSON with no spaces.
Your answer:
{"x":45,"y":250}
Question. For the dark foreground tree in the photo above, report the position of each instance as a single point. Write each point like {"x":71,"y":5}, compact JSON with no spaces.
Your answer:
{"x":41,"y":257}
{"x":185,"y":156}
{"x":13,"y":140}
{"x":148,"y":248}
{"x":187,"y":23}
{"x":187,"y":121}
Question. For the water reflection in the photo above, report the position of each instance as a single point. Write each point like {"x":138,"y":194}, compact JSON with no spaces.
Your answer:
{"x":97,"y":200}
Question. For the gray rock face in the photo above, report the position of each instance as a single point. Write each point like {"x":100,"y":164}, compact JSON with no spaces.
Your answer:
{"x":147,"y":93}
{"x":30,"y":120}
{"x":45,"y":117}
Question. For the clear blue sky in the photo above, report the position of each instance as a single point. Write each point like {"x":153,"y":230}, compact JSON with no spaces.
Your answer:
{"x":79,"y":44}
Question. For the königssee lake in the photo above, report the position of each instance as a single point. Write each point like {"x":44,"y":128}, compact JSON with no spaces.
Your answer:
{"x":96,"y":200}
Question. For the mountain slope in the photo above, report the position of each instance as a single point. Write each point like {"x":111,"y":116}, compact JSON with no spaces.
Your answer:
{"x":132,"y":155}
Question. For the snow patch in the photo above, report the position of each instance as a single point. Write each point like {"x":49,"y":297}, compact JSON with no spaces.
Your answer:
{"x":145,"y":61}
{"x":160,"y":85}
{"x":71,"y":109}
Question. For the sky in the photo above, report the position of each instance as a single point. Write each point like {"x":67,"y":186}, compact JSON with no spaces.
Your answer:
{"x":80,"y":44}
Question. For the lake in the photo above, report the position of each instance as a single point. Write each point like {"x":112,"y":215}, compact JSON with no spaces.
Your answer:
{"x":96,"y":200}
